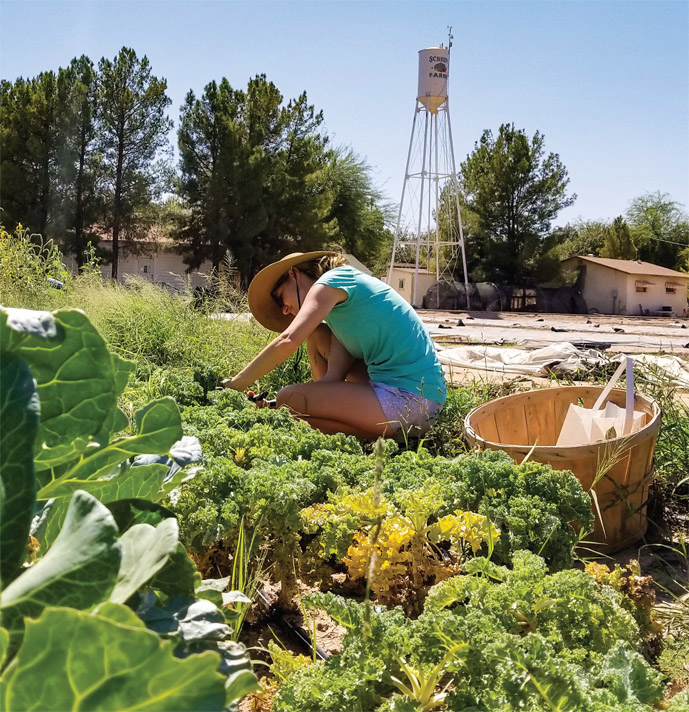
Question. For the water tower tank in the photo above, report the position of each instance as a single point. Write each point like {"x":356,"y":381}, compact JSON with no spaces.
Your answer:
{"x":434,"y":67}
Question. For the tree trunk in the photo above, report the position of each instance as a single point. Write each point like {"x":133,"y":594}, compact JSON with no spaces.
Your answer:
{"x":45,"y":182}
{"x":79,"y":207}
{"x":117,"y":208}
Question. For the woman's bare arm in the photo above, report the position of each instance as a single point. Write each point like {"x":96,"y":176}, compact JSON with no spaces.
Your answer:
{"x":317,"y":305}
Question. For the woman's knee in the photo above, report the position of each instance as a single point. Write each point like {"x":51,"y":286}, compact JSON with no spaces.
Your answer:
{"x":294,"y":398}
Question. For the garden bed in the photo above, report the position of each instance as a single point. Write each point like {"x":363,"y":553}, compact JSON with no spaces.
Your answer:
{"x":434,"y":577}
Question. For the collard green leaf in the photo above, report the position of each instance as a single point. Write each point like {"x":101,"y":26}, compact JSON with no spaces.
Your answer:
{"x":192,"y":621}
{"x":46,"y":525}
{"x":19,"y":420}
{"x":118,"y":614}
{"x":179,"y":576}
{"x":231,"y":597}
{"x":211,"y":590}
{"x":186,"y":451}
{"x":219,"y":584}
{"x":80,"y":568}
{"x":77,"y":379}
{"x":159,"y":427}
{"x":239,"y":684}
{"x":128,"y":512}
{"x":120,"y":482}
{"x":17,"y":323}
{"x":145,"y":550}
{"x":87,"y":662}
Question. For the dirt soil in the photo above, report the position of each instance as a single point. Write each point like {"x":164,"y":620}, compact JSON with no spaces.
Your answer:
{"x":599,"y":331}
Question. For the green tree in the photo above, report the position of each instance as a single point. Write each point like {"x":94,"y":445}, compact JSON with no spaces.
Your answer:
{"x":80,"y":165}
{"x":29,"y":132}
{"x":48,"y":154}
{"x":357,"y":207}
{"x":584,"y":237}
{"x":222,"y":174}
{"x":618,"y":241}
{"x":660,"y":228}
{"x":514,"y":191}
{"x":254,"y":175}
{"x":133,"y":133}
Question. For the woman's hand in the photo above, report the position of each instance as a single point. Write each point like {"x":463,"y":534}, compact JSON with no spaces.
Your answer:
{"x":232,"y":383}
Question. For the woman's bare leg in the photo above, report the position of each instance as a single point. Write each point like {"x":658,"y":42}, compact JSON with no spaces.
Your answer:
{"x":329,"y":359}
{"x":318,"y":351}
{"x":337,"y":407}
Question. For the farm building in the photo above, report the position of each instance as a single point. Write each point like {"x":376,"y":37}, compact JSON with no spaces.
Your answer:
{"x":159,"y":260}
{"x":402,"y":281}
{"x":629,"y":287}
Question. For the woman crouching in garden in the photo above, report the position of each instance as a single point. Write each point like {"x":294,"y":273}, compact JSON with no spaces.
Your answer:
{"x":374,"y":366}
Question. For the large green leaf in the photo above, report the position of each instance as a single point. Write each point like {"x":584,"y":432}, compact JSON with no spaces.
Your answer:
{"x":123,"y":484}
{"x":4,"y":645}
{"x":190,"y":620}
{"x":120,"y":482}
{"x":145,"y":550}
{"x":128,"y":512}
{"x":159,"y":427}
{"x":87,"y":662}
{"x":78,"y":380}
{"x":80,"y":568}
{"x":241,"y":683}
{"x":179,"y":576}
{"x":19,"y":419}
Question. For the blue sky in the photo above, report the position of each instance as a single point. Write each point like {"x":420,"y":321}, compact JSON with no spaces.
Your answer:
{"x":606,"y":82}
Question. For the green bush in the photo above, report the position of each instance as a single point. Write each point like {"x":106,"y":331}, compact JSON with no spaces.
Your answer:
{"x":496,"y":639}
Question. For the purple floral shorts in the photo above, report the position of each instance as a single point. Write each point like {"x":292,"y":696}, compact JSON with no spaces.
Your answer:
{"x":406,"y":412}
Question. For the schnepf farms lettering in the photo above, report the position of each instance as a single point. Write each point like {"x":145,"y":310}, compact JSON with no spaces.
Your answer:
{"x":439,"y":67}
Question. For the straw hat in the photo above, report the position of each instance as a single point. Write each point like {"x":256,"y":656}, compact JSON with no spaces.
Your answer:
{"x":261,"y":304}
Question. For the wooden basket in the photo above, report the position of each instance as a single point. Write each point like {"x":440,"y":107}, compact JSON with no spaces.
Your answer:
{"x":621,"y":467}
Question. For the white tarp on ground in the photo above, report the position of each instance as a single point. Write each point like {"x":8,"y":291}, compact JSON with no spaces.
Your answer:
{"x":564,"y":358}
{"x":657,"y":368}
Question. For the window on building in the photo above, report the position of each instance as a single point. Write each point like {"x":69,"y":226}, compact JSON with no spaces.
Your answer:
{"x":670,"y":288}
{"x":401,"y":284}
{"x":145,"y":269}
{"x":642,"y":286}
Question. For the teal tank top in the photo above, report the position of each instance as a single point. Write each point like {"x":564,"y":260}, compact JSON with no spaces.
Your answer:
{"x":378,"y":326}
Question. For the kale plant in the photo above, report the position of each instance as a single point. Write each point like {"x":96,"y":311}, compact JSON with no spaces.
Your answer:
{"x":496,"y":639}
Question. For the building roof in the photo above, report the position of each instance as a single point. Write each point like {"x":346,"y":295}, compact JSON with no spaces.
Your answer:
{"x":634,"y":267}
{"x":411,"y":268}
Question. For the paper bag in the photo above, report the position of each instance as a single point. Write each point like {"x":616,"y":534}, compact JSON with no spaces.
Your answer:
{"x":589,"y":425}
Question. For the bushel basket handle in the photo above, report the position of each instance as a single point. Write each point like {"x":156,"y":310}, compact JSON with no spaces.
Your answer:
{"x":627,"y":365}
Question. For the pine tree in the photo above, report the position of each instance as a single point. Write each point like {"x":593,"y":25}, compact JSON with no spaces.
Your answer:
{"x":134,"y":127}
{"x":513,"y":191}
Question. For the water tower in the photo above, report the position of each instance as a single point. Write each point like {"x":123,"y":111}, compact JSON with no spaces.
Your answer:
{"x":429,"y":237}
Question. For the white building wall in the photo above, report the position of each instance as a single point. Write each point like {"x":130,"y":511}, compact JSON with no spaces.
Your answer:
{"x":656,"y":300}
{"x":162,"y":267}
{"x":402,"y":281}
{"x":610,"y":291}
{"x":605,"y":290}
